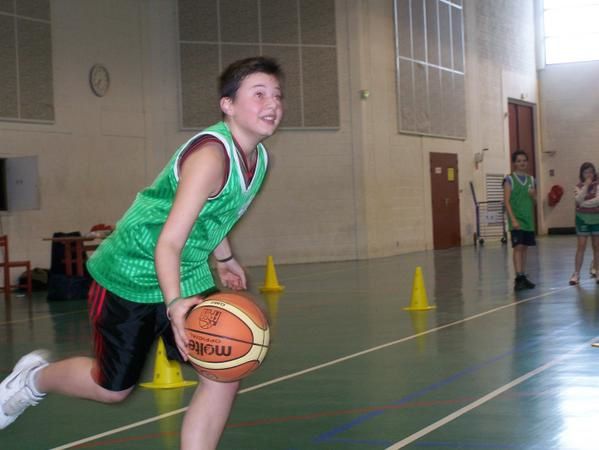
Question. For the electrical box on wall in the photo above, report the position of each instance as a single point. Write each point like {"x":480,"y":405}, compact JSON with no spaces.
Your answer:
{"x":19,"y":187}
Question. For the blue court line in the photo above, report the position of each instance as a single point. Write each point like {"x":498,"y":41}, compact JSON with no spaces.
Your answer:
{"x":329,"y":435}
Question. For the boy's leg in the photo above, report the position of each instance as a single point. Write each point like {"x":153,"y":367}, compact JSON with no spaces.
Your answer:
{"x":517,"y":257}
{"x":73,"y":377}
{"x":207,"y":414}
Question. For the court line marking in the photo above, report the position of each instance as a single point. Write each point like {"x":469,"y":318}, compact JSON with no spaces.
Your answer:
{"x":313,"y":368}
{"x":469,"y":370}
{"x":485,"y":398}
{"x":47,"y":316}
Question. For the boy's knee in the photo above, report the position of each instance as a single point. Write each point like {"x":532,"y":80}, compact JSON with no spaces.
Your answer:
{"x":106,"y":396}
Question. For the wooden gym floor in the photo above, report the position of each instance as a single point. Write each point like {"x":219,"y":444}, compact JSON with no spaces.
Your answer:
{"x":349,"y":368}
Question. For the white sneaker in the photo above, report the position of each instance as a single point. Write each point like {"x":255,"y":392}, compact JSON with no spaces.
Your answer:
{"x":15,"y":392}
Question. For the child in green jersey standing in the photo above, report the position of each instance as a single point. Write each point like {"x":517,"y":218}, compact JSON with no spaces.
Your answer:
{"x":587,"y":217}
{"x":154,"y":267}
{"x":519,"y":193}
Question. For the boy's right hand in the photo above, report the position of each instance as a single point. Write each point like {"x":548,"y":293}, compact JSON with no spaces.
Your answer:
{"x":178,"y":313}
{"x":515,"y":225}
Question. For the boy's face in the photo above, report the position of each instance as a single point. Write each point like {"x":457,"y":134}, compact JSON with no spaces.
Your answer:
{"x":257,"y":109}
{"x":521,"y":163}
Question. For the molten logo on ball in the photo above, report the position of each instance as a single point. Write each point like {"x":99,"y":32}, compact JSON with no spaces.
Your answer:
{"x":208,"y":318}
{"x":209,"y":349}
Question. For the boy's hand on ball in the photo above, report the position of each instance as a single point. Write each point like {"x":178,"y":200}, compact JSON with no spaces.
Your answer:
{"x":178,"y":314}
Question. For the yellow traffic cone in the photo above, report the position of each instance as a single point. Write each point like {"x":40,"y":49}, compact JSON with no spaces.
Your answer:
{"x":271,"y":284}
{"x":419,"y":301}
{"x":167,"y":373}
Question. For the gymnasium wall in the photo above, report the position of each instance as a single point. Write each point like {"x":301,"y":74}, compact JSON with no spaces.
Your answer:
{"x":570,"y":130}
{"x":357,"y":192}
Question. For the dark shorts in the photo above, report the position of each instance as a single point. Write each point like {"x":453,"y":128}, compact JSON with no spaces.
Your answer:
{"x":124,"y":333}
{"x":522,"y":237}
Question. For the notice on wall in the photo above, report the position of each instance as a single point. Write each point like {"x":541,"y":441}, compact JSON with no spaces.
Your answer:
{"x":450,"y":174}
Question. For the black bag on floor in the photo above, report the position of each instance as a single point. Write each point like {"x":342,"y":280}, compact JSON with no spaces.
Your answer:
{"x":39,"y":279}
{"x":61,"y":287}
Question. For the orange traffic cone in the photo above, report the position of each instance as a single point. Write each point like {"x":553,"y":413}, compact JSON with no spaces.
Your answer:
{"x":419,"y":300}
{"x":167,"y":373}
{"x":271,"y":284}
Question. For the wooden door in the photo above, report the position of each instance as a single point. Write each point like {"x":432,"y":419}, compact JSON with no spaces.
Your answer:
{"x":522,"y":132}
{"x":445,"y":200}
{"x":521,"y":118}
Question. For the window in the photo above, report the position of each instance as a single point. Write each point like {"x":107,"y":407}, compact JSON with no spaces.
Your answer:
{"x":571,"y":30}
{"x":300,"y":34}
{"x":429,"y":41}
{"x":26,"y":92}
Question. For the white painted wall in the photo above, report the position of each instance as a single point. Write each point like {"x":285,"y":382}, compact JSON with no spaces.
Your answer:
{"x":361,"y":191}
{"x":570,"y":128}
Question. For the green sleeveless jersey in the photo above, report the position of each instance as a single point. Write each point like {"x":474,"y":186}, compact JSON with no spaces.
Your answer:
{"x":124,"y":262}
{"x":521,"y":202}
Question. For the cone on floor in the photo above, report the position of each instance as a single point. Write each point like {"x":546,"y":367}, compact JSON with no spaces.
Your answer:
{"x":167,"y":373}
{"x":271,"y":283}
{"x":419,"y":300}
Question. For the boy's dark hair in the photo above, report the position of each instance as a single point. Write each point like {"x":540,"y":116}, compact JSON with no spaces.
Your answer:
{"x":518,"y":153}
{"x":231,"y":78}
{"x":585,"y":166}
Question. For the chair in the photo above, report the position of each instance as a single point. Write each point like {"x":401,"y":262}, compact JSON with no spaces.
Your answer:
{"x":6,"y":264}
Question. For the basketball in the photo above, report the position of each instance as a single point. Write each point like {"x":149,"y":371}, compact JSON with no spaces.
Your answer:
{"x":228,"y":336}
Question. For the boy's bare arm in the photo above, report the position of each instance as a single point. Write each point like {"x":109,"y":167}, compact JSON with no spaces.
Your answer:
{"x":507,"y":192}
{"x":201,"y":176}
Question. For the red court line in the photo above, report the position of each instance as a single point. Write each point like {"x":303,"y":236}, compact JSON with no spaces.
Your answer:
{"x":275,"y":420}
{"x":304,"y":417}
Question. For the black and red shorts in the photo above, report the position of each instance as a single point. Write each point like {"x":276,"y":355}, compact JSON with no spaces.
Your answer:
{"x":124,"y":333}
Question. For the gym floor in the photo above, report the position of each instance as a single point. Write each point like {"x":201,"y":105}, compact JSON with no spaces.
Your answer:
{"x":349,"y":368}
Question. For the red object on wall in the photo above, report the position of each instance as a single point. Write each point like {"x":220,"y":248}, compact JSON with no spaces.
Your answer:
{"x":555,"y":195}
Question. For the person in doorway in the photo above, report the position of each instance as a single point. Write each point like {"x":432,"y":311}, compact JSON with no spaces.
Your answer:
{"x":519,"y":193}
{"x":154,"y":267}
{"x":587,"y":217}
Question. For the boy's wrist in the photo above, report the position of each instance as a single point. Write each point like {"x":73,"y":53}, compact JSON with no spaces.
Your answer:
{"x":170,"y":304}
{"x":224,"y":260}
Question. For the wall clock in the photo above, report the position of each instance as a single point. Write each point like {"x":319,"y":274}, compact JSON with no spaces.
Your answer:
{"x":99,"y":80}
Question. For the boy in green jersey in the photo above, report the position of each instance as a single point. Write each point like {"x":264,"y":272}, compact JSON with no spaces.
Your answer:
{"x":520,"y":192}
{"x":154,"y":267}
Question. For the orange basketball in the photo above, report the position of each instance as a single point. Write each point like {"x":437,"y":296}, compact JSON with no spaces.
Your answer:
{"x":228,"y":336}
